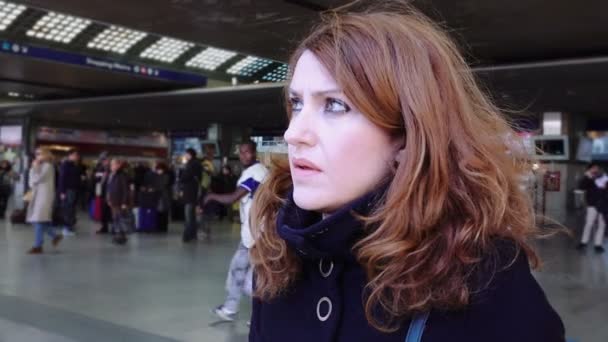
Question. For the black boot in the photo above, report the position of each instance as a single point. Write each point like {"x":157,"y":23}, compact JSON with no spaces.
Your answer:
{"x":120,"y":239}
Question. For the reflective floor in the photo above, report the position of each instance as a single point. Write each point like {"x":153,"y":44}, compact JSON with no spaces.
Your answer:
{"x":153,"y":289}
{"x":156,"y":289}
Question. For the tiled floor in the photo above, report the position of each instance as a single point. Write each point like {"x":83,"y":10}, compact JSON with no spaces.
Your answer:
{"x":153,"y":289}
{"x":156,"y":289}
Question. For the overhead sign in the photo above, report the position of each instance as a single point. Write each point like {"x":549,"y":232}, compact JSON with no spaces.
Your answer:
{"x":51,"y":134}
{"x":100,"y":63}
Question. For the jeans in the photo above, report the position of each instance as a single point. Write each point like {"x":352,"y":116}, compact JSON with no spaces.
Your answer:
{"x":68,"y":209}
{"x":41,"y":228}
{"x":121,"y":221}
{"x":592,"y":216}
{"x":240,"y":277}
{"x":191,"y":226}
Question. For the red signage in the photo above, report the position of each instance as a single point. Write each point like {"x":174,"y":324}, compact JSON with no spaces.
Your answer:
{"x":552,"y":180}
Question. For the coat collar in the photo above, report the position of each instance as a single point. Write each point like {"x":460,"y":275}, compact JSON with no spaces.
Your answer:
{"x":333,"y":237}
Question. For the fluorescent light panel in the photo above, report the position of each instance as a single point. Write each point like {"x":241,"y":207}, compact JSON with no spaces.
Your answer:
{"x":59,"y":28}
{"x":116,"y":39}
{"x":166,"y":50}
{"x":9,"y":12}
{"x":210,"y":58}
{"x":248,"y":66}
{"x":277,"y":75}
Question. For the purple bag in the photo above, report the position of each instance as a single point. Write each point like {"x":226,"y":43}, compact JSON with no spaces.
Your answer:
{"x":148,"y":220}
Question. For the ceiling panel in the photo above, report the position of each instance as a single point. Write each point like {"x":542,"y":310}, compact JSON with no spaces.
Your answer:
{"x":493,"y":31}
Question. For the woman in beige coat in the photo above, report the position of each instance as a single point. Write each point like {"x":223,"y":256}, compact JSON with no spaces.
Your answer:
{"x":40,"y":206}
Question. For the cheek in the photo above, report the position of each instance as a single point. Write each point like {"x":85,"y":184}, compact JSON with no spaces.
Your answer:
{"x":355,"y":159}
{"x":359,"y":163}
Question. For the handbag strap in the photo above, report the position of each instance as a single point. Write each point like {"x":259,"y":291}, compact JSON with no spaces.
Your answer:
{"x":414,"y":333}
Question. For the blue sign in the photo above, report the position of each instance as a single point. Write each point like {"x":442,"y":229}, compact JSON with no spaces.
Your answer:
{"x":101,"y":63}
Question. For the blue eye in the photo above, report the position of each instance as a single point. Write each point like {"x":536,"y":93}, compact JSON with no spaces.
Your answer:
{"x":336,"y":106}
{"x":295,"y":104}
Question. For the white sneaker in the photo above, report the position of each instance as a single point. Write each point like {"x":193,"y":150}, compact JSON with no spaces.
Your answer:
{"x":67,"y":232}
{"x":224,"y":314}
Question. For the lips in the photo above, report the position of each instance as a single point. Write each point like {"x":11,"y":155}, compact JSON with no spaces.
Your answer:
{"x":304,"y":170}
{"x":305,"y":165}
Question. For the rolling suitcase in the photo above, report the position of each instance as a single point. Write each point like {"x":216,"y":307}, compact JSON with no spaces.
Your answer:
{"x":148,"y":220}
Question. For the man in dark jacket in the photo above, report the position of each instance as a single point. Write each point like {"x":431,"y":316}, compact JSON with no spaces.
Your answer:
{"x":596,"y":203}
{"x":190,"y":180}
{"x":7,"y":178}
{"x":118,"y":200}
{"x":69,"y":185}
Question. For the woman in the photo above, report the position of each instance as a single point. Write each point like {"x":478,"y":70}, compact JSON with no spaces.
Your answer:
{"x":117,"y":198}
{"x":400,"y":200}
{"x":40,"y":206}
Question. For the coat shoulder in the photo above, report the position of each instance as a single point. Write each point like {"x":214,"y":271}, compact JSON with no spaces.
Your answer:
{"x":506,"y":304}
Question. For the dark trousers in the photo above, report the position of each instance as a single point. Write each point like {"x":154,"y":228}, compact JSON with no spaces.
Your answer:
{"x":106,"y":215}
{"x":190,"y":225}
{"x":3,"y":203}
{"x":68,"y":209}
{"x":83,"y":199}
{"x":163,"y":221}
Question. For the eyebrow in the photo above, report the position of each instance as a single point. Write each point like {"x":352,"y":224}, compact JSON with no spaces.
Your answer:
{"x":319,"y":93}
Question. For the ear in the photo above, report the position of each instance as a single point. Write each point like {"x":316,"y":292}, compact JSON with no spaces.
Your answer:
{"x":400,"y":156}
{"x":399,"y":145}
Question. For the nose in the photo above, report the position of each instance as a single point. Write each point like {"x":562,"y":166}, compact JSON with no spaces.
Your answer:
{"x":301,"y":130}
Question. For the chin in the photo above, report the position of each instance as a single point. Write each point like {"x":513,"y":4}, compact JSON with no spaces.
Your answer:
{"x":308,"y":199}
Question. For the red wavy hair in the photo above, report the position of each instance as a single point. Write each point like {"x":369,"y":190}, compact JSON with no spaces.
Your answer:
{"x":455,"y":192}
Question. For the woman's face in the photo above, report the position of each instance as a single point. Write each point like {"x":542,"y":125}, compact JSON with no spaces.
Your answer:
{"x":39,"y":155}
{"x":336,"y":154}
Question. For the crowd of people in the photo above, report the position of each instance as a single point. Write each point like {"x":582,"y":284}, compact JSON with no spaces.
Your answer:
{"x":124,"y":197}
{"x":117,"y":188}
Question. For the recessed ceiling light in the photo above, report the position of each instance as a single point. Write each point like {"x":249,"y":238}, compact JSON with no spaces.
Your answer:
{"x":58,"y":27}
{"x":9,"y":12}
{"x":277,"y":75}
{"x":210,"y":58}
{"x":116,"y":39}
{"x":248,"y":66}
{"x":166,"y":50}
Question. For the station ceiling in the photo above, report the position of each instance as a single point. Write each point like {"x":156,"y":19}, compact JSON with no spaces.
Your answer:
{"x":532,"y":54}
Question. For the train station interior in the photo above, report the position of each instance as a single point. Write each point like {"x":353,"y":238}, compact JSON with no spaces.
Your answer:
{"x":148,"y":81}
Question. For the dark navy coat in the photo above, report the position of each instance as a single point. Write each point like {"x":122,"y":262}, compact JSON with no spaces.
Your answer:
{"x":326,"y":303}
